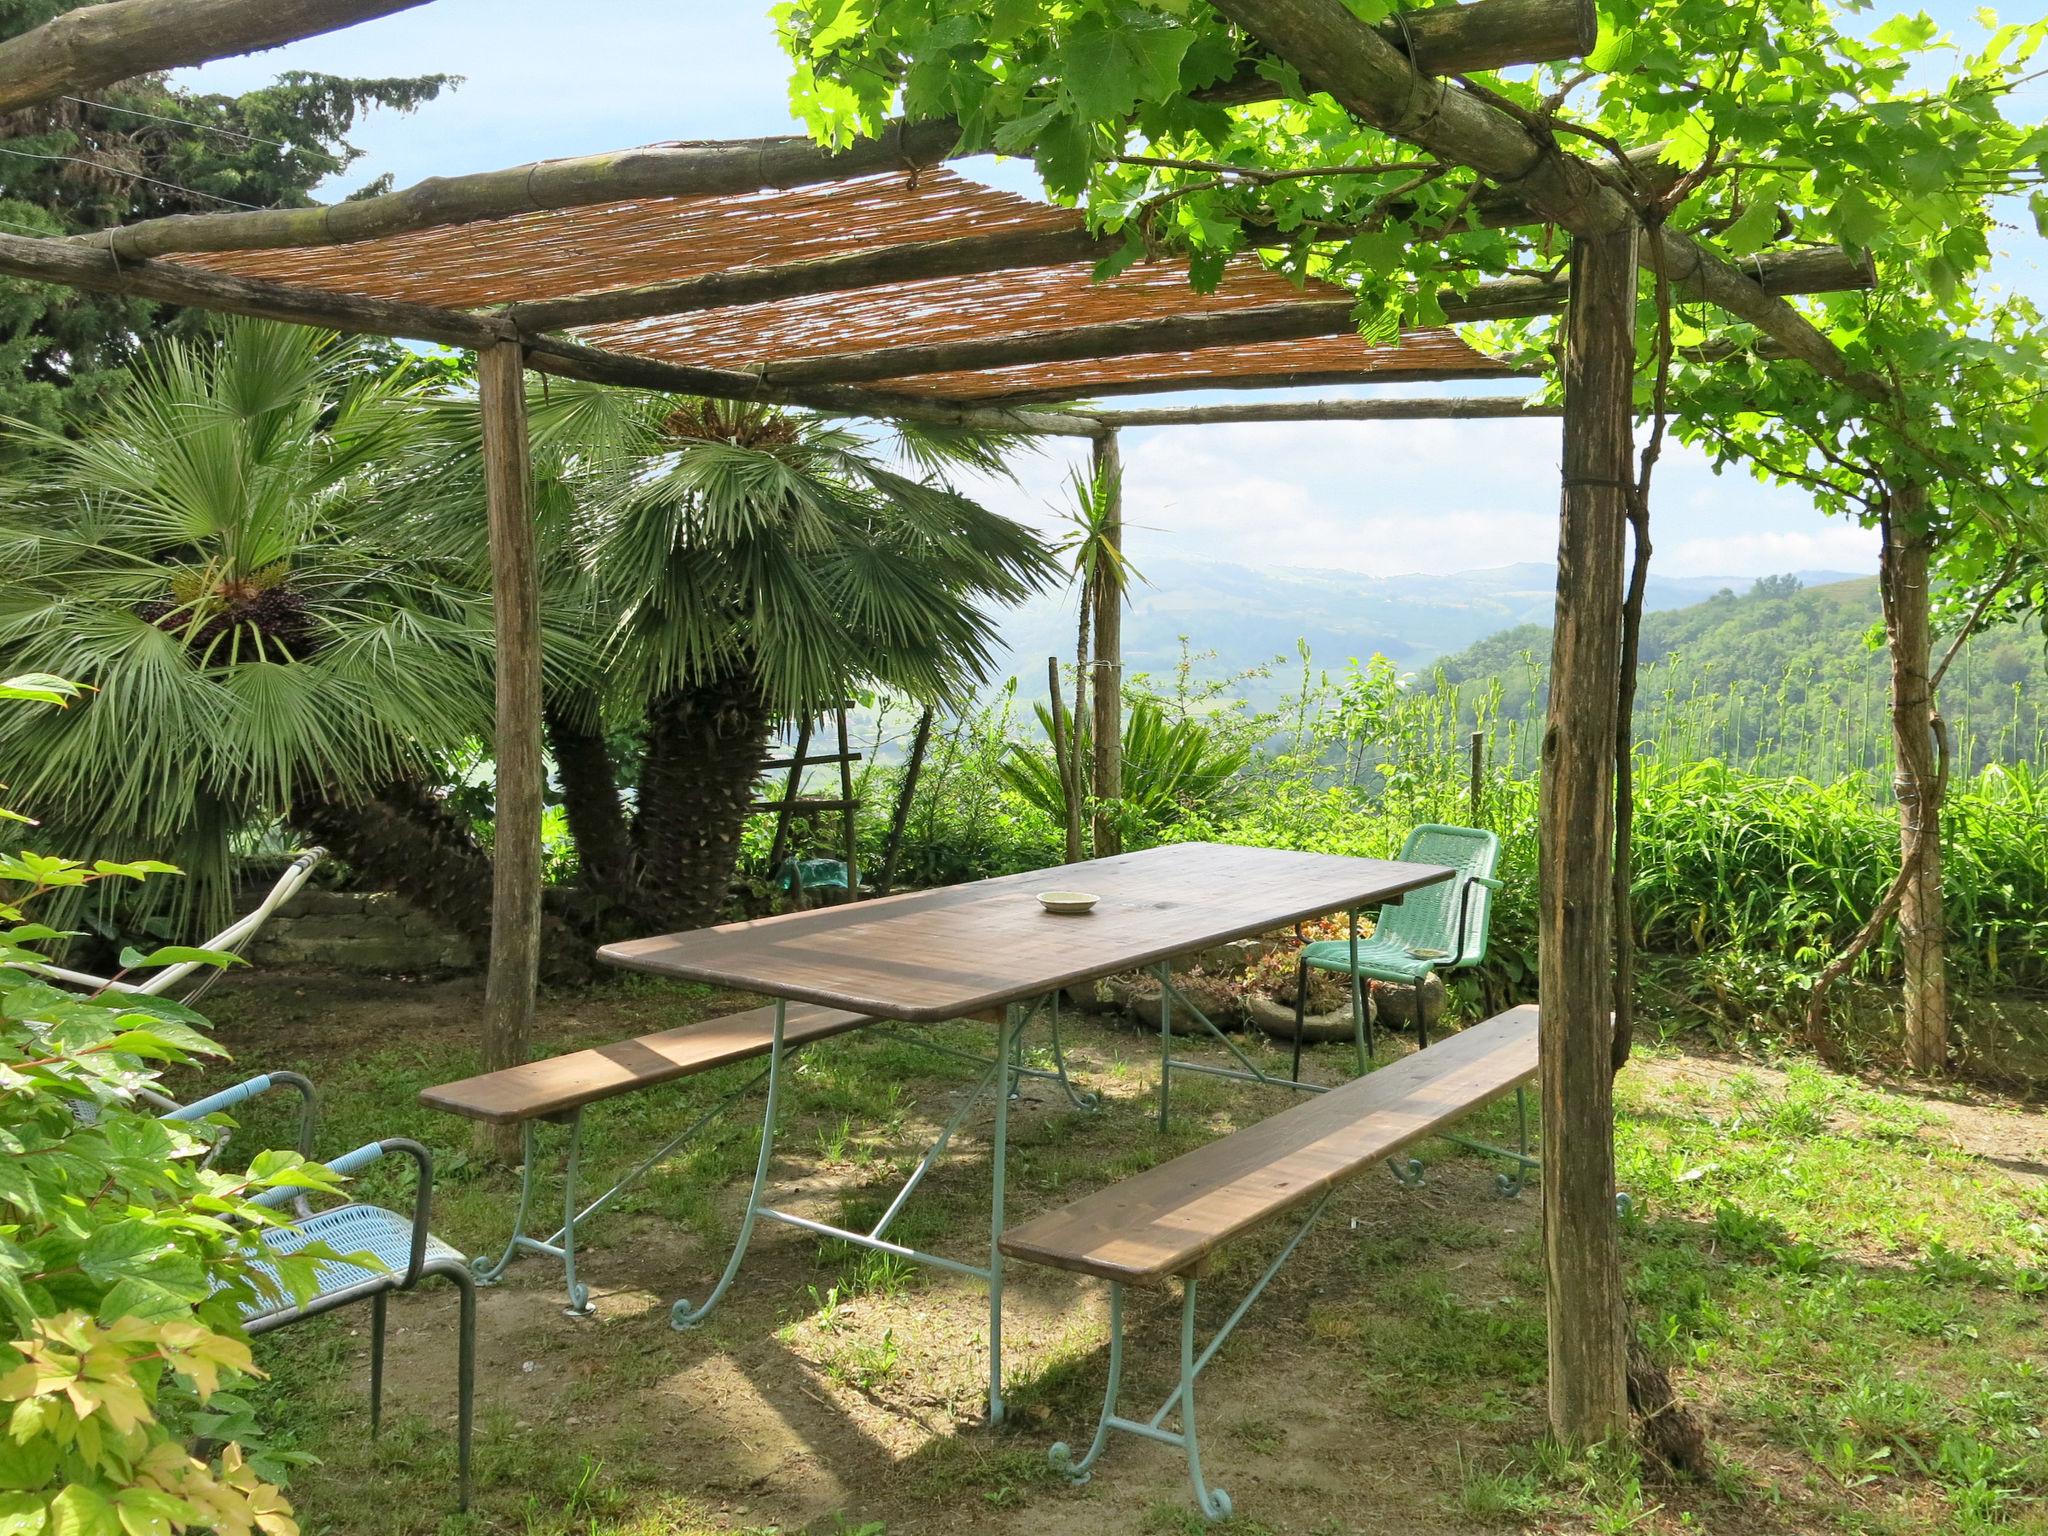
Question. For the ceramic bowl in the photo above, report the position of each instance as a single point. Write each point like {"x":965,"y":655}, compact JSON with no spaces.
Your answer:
{"x":1067,"y":903}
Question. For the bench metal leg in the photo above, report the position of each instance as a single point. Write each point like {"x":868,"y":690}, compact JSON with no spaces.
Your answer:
{"x":561,"y":1243}
{"x":1213,"y":1502}
{"x":683,"y":1314}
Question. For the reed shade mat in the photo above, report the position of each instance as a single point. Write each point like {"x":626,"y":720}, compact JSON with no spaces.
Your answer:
{"x":537,"y":1090}
{"x":601,"y":248}
{"x":962,"y":949}
{"x":1169,"y":1219}
{"x":1001,"y":305}
{"x":560,"y":252}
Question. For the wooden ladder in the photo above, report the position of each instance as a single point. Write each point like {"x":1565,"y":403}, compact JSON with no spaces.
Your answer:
{"x":793,"y":803}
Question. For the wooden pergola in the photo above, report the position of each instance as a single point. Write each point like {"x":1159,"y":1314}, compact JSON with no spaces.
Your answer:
{"x":872,"y":281}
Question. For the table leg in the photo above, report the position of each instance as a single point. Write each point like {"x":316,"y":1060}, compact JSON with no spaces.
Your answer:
{"x":1165,"y":1041}
{"x":1013,"y":1030}
{"x":682,"y":1314}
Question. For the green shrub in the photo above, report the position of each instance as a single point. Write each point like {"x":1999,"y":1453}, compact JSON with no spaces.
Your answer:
{"x":124,"y":1261}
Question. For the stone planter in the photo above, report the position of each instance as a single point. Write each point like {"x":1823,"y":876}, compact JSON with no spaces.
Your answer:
{"x":1274,"y":1018}
{"x":1137,"y":995}
{"x":1394,"y":1003}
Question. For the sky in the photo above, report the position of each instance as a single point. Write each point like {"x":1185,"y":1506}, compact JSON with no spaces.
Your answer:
{"x":544,"y":79}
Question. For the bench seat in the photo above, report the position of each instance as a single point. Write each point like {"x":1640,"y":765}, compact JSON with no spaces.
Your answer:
{"x":542,"y":1090}
{"x":1167,"y":1221}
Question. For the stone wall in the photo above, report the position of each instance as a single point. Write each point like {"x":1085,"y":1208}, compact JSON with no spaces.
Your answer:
{"x":375,"y":933}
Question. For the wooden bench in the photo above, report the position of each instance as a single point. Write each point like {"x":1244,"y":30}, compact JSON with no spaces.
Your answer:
{"x":561,"y":1087}
{"x":1167,"y":1222}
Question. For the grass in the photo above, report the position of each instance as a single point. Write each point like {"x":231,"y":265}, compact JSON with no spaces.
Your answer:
{"x":1849,"y":1280}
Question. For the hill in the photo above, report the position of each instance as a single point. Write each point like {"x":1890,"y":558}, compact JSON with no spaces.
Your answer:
{"x":1248,"y":616}
{"x":1792,"y":680}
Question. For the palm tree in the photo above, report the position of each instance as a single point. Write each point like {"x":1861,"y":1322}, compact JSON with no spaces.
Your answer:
{"x":729,"y":567}
{"x":1101,"y":577}
{"x":208,"y":554}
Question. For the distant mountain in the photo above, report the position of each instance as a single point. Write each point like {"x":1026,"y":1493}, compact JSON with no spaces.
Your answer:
{"x":1786,"y":680}
{"x":1249,"y":616}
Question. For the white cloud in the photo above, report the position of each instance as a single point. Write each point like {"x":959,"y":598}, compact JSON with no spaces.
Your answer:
{"x":1838,"y":546}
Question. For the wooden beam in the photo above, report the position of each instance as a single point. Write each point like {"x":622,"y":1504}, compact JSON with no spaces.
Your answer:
{"x":1107,"y":728}
{"x":1485,"y":34}
{"x":81,"y":266}
{"x":573,"y":360}
{"x":961,"y":256}
{"x":1575,"y":841}
{"x":1509,"y":298}
{"x":1279,"y":378}
{"x":964,"y":256}
{"x":98,"y":44}
{"x":84,"y":266}
{"x":1437,"y":408}
{"x":683,"y":170}
{"x":514,"y":968}
{"x":1379,"y":86}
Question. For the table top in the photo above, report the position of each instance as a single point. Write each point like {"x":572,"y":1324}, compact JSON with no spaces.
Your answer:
{"x":929,"y":955}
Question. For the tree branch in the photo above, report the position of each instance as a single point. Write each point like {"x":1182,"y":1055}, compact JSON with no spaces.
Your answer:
{"x":99,"y":44}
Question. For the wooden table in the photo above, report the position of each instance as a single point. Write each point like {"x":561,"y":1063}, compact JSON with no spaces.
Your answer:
{"x":965,"y":950}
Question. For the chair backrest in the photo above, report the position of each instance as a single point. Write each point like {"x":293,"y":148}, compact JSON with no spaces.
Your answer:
{"x":1428,"y":919}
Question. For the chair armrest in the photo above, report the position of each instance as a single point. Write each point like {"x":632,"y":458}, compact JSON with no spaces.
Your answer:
{"x":255,"y":1087}
{"x":1489,"y":882}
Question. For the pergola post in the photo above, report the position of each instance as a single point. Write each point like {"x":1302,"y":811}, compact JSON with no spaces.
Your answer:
{"x":1905,"y":582}
{"x":1581,"y":1237}
{"x":515,"y":591}
{"x":1108,"y":724}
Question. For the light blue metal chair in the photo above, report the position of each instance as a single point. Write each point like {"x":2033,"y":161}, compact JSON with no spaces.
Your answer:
{"x":1438,"y":928}
{"x":401,"y":1252}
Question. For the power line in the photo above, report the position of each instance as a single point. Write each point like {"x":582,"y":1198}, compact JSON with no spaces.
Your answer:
{"x":99,"y":165}
{"x":179,"y":122}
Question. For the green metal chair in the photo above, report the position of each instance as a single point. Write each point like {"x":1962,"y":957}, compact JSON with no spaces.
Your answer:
{"x":1440,"y":927}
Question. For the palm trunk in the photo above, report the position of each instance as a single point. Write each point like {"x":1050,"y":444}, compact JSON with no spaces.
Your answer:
{"x":705,"y":748}
{"x":608,"y":879}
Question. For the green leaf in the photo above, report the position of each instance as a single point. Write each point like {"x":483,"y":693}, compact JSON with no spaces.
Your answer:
{"x":22,"y":1514}
{"x":124,"y":1249}
{"x":1752,"y":231}
{"x":83,"y":1511}
{"x":178,"y":954}
{"x":38,"y":688}
{"x":26,"y":1464}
